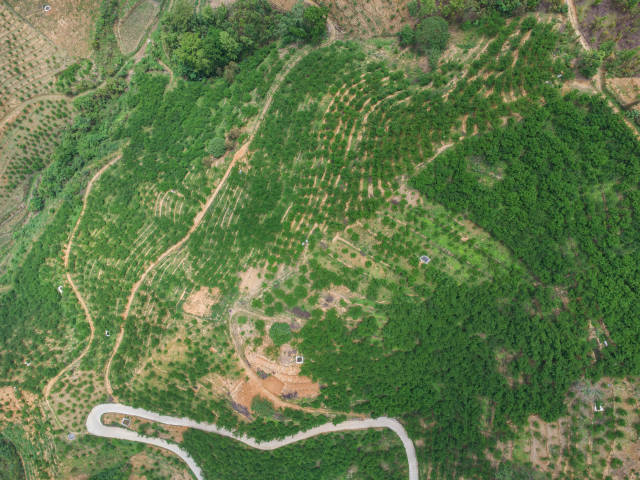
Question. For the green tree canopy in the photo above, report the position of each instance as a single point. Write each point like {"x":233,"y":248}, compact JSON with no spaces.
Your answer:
{"x":280,"y":333}
{"x":432,"y":34}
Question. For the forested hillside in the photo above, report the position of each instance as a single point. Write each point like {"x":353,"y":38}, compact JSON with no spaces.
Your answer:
{"x":259,"y":222}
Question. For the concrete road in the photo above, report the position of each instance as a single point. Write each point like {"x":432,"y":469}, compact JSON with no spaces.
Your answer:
{"x":95,"y":427}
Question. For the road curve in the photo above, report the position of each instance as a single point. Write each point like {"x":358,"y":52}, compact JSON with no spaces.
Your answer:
{"x":96,"y":427}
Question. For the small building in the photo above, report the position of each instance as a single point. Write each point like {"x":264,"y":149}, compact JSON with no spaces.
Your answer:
{"x":60,"y":289}
{"x":598,"y":407}
{"x":126,"y":421}
{"x":424,"y":259}
{"x":71,"y":437}
{"x":106,"y":333}
{"x":299,"y":359}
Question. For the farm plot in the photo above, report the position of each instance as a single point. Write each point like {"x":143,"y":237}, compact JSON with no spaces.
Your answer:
{"x":131,"y":27}
{"x":25,"y":147}
{"x":368,"y":19}
{"x":28,"y":62}
{"x":67,"y":24}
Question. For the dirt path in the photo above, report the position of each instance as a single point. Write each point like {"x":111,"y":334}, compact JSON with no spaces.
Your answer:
{"x":573,"y":18}
{"x":96,"y":427}
{"x":240,"y":154}
{"x":51,"y":383}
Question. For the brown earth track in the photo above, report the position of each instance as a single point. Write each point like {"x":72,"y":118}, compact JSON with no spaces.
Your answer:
{"x":240,"y":154}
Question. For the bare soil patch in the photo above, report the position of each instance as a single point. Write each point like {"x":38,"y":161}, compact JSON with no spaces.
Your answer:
{"x":626,"y":90}
{"x":12,"y":402}
{"x":251,"y":281}
{"x":199,"y":303}
{"x":285,"y":378}
{"x":607,"y":20}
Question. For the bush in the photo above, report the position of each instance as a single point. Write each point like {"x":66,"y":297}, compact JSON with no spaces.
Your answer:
{"x":432,"y":35}
{"x":280,"y":333}
{"x":216,"y":147}
{"x":262,"y":407}
{"x":589,"y":63}
{"x":406,"y":36}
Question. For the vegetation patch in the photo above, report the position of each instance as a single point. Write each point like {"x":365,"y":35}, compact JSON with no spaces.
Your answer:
{"x":10,"y":463}
{"x":370,"y":454}
{"x":280,"y":333}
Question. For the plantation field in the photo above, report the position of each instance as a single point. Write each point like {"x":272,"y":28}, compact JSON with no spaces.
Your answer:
{"x":268,"y":226}
{"x":68,"y":24}
{"x":26,"y":143}
{"x":29,"y":62}
{"x":340,"y":234}
{"x":367,"y":19}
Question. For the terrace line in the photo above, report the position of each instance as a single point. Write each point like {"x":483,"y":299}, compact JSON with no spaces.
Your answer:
{"x":97,"y":428}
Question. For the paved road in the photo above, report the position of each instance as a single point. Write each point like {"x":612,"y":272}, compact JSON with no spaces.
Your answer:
{"x":95,"y":427}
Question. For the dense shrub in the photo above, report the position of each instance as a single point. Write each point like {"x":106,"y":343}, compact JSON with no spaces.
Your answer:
{"x":280,"y":333}
{"x":216,"y":146}
{"x":204,"y":44}
{"x":589,"y":63}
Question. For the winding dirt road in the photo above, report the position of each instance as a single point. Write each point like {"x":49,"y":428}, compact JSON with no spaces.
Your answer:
{"x":67,"y":251}
{"x":240,"y":154}
{"x":96,"y":427}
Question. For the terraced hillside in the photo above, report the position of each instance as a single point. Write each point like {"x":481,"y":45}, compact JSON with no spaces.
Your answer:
{"x":330,"y":230}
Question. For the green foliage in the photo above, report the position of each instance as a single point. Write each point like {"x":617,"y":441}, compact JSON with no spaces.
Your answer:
{"x":375,"y":455}
{"x":216,"y":147}
{"x":623,"y":63}
{"x":103,"y":41}
{"x":513,"y":471}
{"x":595,"y":147}
{"x":10,"y":464}
{"x":432,"y":33}
{"x":117,"y":472}
{"x":35,"y":309}
{"x":406,"y":36}
{"x":203,"y":44}
{"x":280,"y":333}
{"x":314,"y":23}
{"x":262,"y":407}
{"x":80,"y":143}
{"x":431,"y":37}
{"x":589,"y":62}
